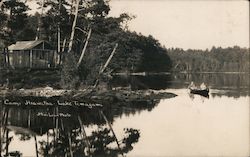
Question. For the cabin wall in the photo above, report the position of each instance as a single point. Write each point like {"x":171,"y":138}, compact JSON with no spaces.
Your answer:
{"x":43,"y":59}
{"x":19,"y":59}
{"x":39,"y":57}
{"x":35,"y":58}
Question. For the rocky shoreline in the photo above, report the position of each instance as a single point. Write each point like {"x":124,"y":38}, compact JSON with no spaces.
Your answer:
{"x":88,"y":95}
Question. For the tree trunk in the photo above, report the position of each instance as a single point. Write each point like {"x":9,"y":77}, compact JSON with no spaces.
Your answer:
{"x":84,"y":48}
{"x":58,"y":39}
{"x":105,"y":65}
{"x":73,"y":27}
{"x":64,"y":44}
{"x":38,"y":36}
{"x":59,"y":35}
{"x":8,"y":57}
{"x":5,"y":57}
{"x":62,"y":52}
{"x":109,"y":59}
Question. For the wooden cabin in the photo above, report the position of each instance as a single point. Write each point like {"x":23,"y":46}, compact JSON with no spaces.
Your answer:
{"x":37,"y":54}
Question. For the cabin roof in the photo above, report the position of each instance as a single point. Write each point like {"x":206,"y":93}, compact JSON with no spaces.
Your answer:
{"x":25,"y":45}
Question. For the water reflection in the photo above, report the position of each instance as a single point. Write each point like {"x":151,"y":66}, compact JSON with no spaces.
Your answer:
{"x":62,"y":129}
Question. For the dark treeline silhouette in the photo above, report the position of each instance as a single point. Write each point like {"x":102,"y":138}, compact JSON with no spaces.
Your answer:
{"x":231,"y":59}
{"x":155,"y":82}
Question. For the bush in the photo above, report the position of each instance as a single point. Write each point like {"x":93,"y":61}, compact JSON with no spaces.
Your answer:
{"x":69,"y":73}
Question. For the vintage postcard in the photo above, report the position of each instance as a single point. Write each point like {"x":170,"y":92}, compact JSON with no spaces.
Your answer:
{"x":124,"y":78}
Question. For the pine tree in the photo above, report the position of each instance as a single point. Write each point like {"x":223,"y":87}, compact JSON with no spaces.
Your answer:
{"x":15,"y":10}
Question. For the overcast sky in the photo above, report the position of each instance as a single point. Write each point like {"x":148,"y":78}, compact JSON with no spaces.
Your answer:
{"x":196,"y":24}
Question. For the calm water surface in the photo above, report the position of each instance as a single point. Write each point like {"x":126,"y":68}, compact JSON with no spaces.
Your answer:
{"x":192,"y":126}
{"x":186,"y":125}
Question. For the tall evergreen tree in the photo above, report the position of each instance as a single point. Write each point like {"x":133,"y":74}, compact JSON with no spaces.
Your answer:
{"x":15,"y":12}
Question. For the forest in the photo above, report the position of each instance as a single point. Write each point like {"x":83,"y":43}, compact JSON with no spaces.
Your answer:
{"x":84,"y":35}
{"x":230,"y":59}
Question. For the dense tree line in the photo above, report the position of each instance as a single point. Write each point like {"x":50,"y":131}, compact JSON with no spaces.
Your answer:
{"x":135,"y":52}
{"x":231,"y":59}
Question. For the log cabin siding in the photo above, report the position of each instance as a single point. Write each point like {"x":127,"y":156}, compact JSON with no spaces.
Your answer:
{"x":32,"y":54}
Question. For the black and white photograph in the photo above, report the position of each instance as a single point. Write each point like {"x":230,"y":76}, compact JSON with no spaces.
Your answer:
{"x":124,"y":78}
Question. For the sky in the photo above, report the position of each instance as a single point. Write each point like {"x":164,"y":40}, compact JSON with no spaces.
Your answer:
{"x":189,"y":24}
{"x":196,"y":24}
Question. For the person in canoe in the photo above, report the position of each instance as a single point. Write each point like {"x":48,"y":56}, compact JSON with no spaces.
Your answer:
{"x":202,"y":90}
{"x":192,"y":86}
{"x":203,"y":86}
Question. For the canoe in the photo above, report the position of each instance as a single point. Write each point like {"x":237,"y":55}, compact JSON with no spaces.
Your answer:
{"x":202,"y":92}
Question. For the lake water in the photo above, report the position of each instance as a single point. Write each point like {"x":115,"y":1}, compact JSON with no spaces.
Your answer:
{"x":186,"y":125}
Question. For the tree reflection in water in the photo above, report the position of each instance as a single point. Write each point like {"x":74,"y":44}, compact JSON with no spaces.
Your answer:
{"x":66,"y":136}
{"x":100,"y":143}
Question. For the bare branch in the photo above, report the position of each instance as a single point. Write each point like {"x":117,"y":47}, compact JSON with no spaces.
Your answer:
{"x":81,"y":30}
